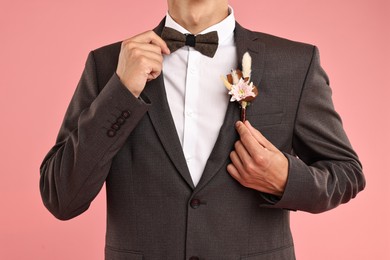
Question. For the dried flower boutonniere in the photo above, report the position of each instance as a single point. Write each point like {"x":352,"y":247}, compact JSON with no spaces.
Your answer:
{"x":239,"y":85}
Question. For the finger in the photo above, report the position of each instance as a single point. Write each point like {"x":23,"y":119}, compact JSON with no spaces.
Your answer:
{"x":142,"y":54}
{"x":153,"y":38}
{"x":248,"y":140}
{"x":153,"y":75}
{"x":149,"y":67}
{"x":143,"y":47}
{"x":242,"y":153}
{"x":138,"y":51}
{"x":259,"y":137}
{"x":237,"y":168}
{"x":155,"y":69}
{"x":236,"y":161}
{"x":149,"y":55}
{"x":232,"y":170}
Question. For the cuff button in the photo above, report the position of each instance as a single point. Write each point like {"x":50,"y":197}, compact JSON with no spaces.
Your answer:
{"x":111,"y":133}
{"x":120,"y":121}
{"x":126,"y":114}
{"x":115,"y":127}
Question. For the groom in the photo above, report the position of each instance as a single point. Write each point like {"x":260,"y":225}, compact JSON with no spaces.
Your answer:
{"x":185,"y":178}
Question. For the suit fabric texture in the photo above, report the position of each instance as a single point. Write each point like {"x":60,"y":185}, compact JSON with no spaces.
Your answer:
{"x":153,"y":209}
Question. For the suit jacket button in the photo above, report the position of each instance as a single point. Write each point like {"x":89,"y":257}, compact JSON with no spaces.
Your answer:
{"x":126,"y":114}
{"x":194,"y":258}
{"x":195,"y":203}
{"x":111,"y":133}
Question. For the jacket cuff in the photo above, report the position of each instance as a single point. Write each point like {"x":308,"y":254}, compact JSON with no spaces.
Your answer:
{"x":294,"y":184}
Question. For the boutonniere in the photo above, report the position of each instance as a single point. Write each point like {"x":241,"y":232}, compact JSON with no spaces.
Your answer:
{"x":240,"y":86}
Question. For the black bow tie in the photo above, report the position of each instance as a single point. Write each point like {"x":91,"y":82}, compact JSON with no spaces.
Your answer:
{"x":206,"y":44}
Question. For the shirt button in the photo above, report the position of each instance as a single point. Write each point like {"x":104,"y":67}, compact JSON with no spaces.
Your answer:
{"x":192,"y":68}
{"x":195,"y":203}
{"x":189,"y":113}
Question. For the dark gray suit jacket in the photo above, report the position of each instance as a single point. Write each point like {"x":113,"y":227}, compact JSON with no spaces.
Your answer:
{"x":153,"y":209}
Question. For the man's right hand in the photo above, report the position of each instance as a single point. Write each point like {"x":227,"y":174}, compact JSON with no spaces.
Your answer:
{"x":140,"y":60}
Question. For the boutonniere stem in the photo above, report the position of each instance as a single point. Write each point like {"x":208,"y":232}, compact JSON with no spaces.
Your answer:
{"x":239,"y":85}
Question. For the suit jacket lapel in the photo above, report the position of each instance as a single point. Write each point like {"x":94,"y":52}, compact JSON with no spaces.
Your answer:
{"x":161,"y":118}
{"x":245,"y":42}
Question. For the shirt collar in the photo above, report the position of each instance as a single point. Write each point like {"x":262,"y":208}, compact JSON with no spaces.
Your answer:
{"x":225,"y":28}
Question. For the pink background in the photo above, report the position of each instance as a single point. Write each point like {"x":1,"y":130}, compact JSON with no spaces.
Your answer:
{"x":44,"y":45}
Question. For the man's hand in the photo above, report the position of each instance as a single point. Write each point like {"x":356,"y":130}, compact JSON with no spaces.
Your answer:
{"x":257,"y":163}
{"x":140,"y":60}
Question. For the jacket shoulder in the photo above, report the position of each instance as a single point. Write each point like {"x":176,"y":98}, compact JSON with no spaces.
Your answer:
{"x":108,"y":53}
{"x":284,"y":50}
{"x":277,"y":45}
{"x":106,"y":61}
{"x":279,"y":42}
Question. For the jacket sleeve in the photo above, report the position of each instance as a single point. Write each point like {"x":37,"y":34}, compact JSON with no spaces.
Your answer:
{"x":96,"y":125}
{"x":324,"y":170}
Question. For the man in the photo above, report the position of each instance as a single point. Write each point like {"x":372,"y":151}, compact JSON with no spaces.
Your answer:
{"x":185,"y":178}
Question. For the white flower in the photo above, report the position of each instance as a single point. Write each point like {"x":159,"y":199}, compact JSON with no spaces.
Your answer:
{"x":241,"y":90}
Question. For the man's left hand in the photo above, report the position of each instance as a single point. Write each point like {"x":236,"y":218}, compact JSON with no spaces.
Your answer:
{"x":257,"y":163}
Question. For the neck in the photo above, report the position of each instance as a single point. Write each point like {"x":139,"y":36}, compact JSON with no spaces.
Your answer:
{"x":197,"y":15}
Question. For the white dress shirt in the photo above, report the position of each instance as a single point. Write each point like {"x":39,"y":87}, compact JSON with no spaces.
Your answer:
{"x":196,"y":95}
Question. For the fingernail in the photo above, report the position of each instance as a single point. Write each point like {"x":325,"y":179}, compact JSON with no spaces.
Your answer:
{"x":238,"y":123}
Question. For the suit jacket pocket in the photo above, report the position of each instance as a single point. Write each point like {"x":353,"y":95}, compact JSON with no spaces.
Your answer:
{"x":268,"y":119}
{"x":112,"y":253}
{"x":283,"y":253}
